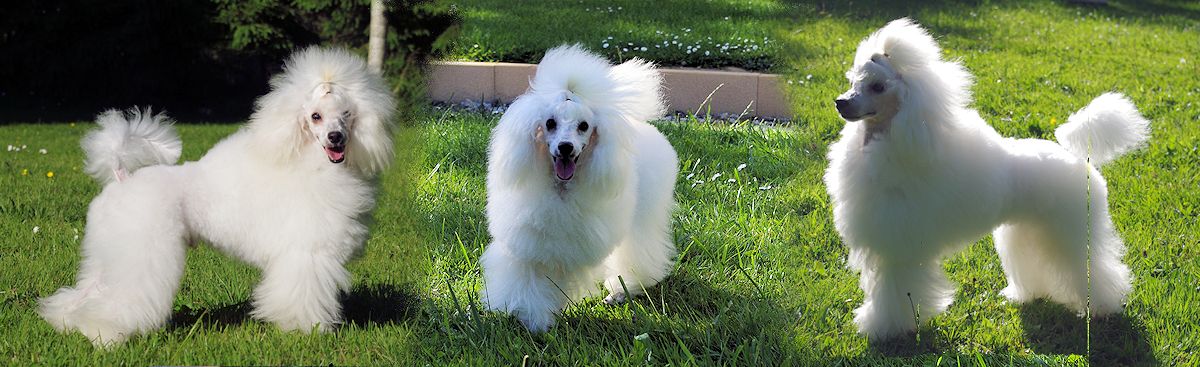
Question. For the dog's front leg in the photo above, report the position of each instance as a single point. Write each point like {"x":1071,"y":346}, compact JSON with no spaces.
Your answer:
{"x":300,"y":291}
{"x":521,"y":288}
{"x":900,"y":294}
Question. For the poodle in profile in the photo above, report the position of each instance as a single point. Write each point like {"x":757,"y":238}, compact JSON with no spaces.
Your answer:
{"x":579,"y":188}
{"x":917,"y":175}
{"x":288,"y":193}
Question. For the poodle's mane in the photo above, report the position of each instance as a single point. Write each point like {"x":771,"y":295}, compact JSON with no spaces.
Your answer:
{"x":277,"y":123}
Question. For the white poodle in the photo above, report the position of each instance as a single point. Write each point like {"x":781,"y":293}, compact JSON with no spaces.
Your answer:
{"x":288,"y":193}
{"x":579,"y":188}
{"x":917,"y":175}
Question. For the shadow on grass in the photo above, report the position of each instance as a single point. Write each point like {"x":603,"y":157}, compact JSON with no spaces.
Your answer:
{"x":1154,"y":11}
{"x":1177,"y":12}
{"x":214,"y":317}
{"x":909,"y":345}
{"x":930,"y":339}
{"x":379,"y":304}
{"x":687,"y":319}
{"x":1116,"y":340}
{"x":683,"y":320}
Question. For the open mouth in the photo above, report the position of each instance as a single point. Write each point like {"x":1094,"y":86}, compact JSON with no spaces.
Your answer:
{"x":564,"y":167}
{"x":856,"y":118}
{"x":336,"y":153}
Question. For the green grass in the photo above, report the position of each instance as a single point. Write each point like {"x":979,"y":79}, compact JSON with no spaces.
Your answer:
{"x":738,"y":34}
{"x":761,"y":279}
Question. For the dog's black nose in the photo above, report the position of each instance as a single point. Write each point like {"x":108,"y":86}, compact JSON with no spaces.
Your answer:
{"x":842,"y":105}
{"x":565,"y":150}
{"x":336,"y":137}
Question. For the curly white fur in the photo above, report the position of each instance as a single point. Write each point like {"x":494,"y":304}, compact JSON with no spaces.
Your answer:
{"x":918,"y":175}
{"x":556,"y":232}
{"x":269,"y":194}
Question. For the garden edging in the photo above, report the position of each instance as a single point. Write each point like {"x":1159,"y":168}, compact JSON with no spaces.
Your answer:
{"x":685,"y":90}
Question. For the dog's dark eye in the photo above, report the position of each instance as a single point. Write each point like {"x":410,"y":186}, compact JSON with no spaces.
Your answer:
{"x":551,"y":124}
{"x":583,"y":126}
{"x":877,"y":87}
{"x":316,"y":116}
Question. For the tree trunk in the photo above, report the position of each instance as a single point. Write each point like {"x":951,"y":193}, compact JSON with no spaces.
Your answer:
{"x":378,"y":37}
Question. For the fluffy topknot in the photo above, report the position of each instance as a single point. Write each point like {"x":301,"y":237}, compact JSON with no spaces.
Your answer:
{"x":906,"y":45}
{"x":631,"y":89}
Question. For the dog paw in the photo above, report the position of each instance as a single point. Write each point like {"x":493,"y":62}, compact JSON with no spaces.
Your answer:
{"x":615,"y":298}
{"x":536,"y":322}
{"x":1014,"y":295}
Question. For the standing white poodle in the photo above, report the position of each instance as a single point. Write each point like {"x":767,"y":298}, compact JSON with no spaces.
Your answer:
{"x":918,"y":175}
{"x":288,"y":193}
{"x":579,"y":188}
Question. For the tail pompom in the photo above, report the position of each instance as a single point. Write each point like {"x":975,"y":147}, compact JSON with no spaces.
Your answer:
{"x":1107,"y":128}
{"x":129,"y":140}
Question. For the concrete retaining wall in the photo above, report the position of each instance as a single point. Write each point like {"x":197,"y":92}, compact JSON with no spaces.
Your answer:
{"x":686,"y":89}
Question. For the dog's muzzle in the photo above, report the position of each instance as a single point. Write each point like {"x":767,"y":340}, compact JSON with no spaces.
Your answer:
{"x":336,"y":150}
{"x":846,"y":109}
{"x":564,"y":161}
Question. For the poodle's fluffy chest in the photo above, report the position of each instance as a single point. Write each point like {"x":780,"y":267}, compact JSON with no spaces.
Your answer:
{"x":566,"y":228}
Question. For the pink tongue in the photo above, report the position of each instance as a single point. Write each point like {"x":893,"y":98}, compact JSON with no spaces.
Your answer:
{"x":335,"y":156}
{"x":564,"y":168}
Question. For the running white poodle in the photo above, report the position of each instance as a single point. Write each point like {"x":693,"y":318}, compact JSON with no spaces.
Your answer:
{"x":579,"y":188}
{"x":918,"y":175}
{"x":288,"y":193}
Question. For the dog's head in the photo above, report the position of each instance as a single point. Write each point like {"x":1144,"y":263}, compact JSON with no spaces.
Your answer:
{"x":875,"y":89}
{"x":568,"y":136}
{"x":899,"y":68}
{"x":328,"y":117}
{"x":577,"y":117}
{"x":327,"y":104}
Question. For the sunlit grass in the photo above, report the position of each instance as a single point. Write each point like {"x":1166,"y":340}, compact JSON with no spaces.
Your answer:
{"x":761,"y":278}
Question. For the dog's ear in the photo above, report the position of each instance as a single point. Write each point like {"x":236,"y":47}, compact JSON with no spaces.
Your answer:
{"x":539,"y":135}
{"x":370,"y":148}
{"x":306,"y":134}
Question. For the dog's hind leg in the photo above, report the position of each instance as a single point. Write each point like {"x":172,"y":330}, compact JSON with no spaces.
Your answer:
{"x":1046,"y":258}
{"x":898,"y":294}
{"x":133,"y":258}
{"x":301,"y":291}
{"x":1110,"y":282}
{"x":640,"y":263}
{"x":1081,"y":255}
{"x":646,"y":255}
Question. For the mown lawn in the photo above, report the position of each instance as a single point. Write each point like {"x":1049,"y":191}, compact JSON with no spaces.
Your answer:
{"x":761,"y":278}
